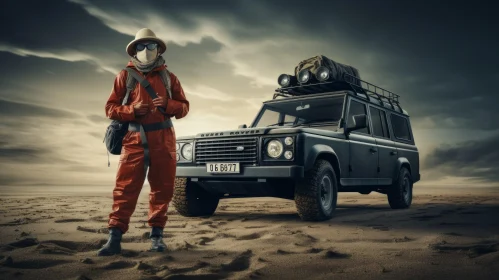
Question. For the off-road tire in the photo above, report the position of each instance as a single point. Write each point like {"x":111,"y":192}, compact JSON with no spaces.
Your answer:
{"x":397,"y":197}
{"x":308,"y":197}
{"x":191,"y":200}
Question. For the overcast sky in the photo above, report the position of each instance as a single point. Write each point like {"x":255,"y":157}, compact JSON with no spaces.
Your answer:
{"x":60,"y":59}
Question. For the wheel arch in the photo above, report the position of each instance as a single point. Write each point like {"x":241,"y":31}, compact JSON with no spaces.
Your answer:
{"x":321,"y":151}
{"x":401,"y":162}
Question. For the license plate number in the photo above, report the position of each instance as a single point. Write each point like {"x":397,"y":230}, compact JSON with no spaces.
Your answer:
{"x":222,"y":167}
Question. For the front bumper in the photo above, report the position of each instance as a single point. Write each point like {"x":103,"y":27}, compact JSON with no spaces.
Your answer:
{"x":293,"y":171}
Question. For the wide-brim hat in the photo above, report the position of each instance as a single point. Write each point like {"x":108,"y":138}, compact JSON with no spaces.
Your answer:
{"x":144,"y":34}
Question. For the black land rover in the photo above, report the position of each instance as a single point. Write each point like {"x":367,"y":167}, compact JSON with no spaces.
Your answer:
{"x":308,"y":143}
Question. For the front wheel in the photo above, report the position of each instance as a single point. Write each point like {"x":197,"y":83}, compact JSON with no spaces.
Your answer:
{"x":400,"y":193}
{"x":316,"y":196}
{"x":190,"y":200}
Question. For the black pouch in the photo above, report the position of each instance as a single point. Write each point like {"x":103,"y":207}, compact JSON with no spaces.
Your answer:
{"x":116,"y":130}
{"x":114,"y":136}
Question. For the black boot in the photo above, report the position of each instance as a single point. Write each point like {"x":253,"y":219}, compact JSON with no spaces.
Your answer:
{"x":113,"y":245}
{"x":157,"y":240}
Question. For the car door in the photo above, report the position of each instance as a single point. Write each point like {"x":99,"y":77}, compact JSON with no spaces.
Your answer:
{"x":387,"y":151}
{"x":363,"y":150}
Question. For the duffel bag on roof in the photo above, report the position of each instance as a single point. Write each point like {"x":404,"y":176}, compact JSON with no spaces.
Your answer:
{"x":336,"y":69}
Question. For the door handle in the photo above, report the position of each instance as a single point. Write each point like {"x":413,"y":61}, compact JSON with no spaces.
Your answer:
{"x":373,"y":150}
{"x":393,"y":153}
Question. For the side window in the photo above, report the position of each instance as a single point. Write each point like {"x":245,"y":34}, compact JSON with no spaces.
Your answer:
{"x":378,"y":119}
{"x":357,"y":108}
{"x":400,"y":127}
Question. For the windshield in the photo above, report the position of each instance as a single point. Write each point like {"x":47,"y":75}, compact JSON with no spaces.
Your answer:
{"x":302,"y":112}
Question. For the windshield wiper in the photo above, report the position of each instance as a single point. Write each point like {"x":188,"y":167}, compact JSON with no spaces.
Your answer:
{"x":314,"y":121}
{"x":279,"y":123}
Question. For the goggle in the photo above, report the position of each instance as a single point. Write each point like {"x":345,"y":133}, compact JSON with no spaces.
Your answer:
{"x":150,"y":46}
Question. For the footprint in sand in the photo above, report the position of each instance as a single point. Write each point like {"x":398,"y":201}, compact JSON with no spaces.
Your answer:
{"x":240,"y":263}
{"x":198,"y":265}
{"x":50,"y":248}
{"x":204,"y":240}
{"x":74,"y":246}
{"x":304,"y":239}
{"x":23,"y":243}
{"x":330,"y":254}
{"x":314,"y":250}
{"x":119,"y":265}
{"x":249,"y":236}
{"x":283,"y":252}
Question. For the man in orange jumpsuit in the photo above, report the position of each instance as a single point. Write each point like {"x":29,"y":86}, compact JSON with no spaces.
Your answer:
{"x":145,"y":52}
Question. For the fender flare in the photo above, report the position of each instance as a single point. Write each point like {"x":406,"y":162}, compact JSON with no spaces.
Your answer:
{"x":401,"y":161}
{"x":320,"y":149}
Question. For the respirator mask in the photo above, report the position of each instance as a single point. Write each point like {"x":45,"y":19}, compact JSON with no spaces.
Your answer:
{"x":146,"y":51}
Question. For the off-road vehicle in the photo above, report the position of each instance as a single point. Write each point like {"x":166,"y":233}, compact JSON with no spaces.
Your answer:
{"x":311,"y":141}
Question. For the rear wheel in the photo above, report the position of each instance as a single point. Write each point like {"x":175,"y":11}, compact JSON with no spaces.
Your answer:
{"x":190,"y":200}
{"x":316,"y":196}
{"x":400,"y":194}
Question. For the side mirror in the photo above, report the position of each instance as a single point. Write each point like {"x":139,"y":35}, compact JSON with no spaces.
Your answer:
{"x":242,"y":126}
{"x":359,"y":122}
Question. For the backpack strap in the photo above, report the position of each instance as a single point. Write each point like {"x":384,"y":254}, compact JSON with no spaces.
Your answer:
{"x":165,"y":77}
{"x":131,"y":82}
{"x":130,"y":86}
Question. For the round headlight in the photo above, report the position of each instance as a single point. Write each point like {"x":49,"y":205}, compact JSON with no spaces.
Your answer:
{"x":286,"y":80}
{"x":178,"y":156}
{"x":304,"y":76}
{"x":187,"y":151}
{"x":288,"y":154}
{"x":274,"y":148}
{"x":322,"y":74}
{"x":288,"y":140}
{"x":177,"y":147}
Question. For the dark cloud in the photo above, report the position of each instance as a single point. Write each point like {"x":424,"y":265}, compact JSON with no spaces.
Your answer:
{"x":57,"y":24}
{"x":25,"y":155}
{"x":479,"y":159}
{"x":16,"y":109}
{"x":30,"y":155}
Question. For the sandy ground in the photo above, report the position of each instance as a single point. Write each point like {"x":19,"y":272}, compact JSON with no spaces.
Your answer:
{"x":53,"y":233}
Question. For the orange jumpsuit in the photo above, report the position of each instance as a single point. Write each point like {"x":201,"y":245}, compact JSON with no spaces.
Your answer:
{"x":131,"y":175}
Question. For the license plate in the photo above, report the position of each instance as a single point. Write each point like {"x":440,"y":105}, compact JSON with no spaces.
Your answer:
{"x":222,"y":167}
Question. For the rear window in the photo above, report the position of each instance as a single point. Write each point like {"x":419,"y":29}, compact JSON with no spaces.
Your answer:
{"x":400,"y":127}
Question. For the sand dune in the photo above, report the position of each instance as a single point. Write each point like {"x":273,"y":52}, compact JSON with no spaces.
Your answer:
{"x":447,"y":234}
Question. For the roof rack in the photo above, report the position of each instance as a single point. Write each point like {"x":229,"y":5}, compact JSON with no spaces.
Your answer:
{"x":350,"y":83}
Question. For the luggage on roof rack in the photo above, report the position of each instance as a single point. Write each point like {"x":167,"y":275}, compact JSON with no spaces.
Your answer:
{"x":348,"y":82}
{"x":316,"y":66}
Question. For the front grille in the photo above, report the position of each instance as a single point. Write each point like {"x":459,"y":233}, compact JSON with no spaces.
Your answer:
{"x":225,"y":150}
